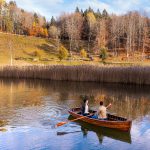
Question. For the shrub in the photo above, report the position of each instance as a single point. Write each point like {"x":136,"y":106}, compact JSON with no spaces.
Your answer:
{"x":63,"y":53}
{"x":83,"y":53}
{"x":103,"y":54}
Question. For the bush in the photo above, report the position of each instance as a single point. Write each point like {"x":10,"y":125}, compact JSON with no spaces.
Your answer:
{"x":63,"y":53}
{"x":83,"y":53}
{"x":103,"y":54}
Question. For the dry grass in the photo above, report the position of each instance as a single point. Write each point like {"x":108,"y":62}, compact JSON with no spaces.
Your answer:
{"x":23,"y":47}
{"x":131,"y":75}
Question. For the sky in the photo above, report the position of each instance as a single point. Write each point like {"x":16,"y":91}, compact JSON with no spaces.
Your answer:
{"x":49,"y":8}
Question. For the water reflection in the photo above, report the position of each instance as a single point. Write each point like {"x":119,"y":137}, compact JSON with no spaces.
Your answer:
{"x":100,"y":132}
{"x":37,"y":105}
{"x":128,"y":101}
{"x":103,"y":132}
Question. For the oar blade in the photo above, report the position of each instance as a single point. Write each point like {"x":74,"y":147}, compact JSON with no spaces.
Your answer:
{"x":60,"y":124}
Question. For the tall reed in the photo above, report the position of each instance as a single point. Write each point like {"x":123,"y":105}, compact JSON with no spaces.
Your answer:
{"x":132,"y":75}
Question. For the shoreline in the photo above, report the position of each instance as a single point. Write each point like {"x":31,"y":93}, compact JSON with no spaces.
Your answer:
{"x":106,"y":74}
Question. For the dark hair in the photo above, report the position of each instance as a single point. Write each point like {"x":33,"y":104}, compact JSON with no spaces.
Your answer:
{"x":101,"y":102}
{"x":85,"y":100}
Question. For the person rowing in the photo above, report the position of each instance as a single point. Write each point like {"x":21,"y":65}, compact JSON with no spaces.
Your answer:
{"x":102,"y":112}
{"x":85,"y":107}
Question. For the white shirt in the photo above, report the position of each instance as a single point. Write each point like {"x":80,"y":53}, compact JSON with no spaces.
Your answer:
{"x":102,"y":112}
{"x":86,"y":109}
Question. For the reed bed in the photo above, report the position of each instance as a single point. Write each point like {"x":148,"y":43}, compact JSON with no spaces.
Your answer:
{"x":111,"y":74}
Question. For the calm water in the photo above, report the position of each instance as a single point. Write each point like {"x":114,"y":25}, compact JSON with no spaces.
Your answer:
{"x":30,"y":109}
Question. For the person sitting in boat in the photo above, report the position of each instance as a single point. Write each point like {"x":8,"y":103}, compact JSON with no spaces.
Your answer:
{"x":102,"y":112}
{"x":85,"y":107}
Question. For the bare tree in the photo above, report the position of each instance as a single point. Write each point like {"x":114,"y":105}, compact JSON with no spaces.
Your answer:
{"x":54,"y":32}
{"x":101,"y":34}
{"x":91,"y":23}
{"x":71,"y":25}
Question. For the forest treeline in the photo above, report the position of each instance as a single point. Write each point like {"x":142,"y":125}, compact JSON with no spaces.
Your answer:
{"x":129,"y":33}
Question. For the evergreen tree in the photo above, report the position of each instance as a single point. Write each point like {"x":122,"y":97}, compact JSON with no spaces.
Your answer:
{"x":85,"y":13}
{"x":82,"y":12}
{"x":12,"y":3}
{"x":98,"y":14}
{"x":90,"y":10}
{"x":53,"y":21}
{"x":44,"y":24}
{"x":105,"y":14}
{"x":36,"y":18}
{"x":77,"y":10}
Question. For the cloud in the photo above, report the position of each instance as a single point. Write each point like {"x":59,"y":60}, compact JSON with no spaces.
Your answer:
{"x":44,"y":7}
{"x":50,"y":8}
{"x":95,"y":4}
{"x":121,"y":6}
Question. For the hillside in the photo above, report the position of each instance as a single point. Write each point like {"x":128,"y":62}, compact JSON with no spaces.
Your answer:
{"x":30,"y":50}
{"x":33,"y":50}
{"x":126,"y":37}
{"x":27,"y":50}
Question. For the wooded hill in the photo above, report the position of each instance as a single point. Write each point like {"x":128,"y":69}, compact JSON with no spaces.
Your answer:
{"x":128,"y":33}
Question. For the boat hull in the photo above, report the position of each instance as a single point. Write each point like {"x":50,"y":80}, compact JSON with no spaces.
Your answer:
{"x":119,"y":125}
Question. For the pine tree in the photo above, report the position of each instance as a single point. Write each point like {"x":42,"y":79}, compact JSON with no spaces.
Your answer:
{"x":53,"y":21}
{"x":82,"y":12}
{"x":90,"y":10}
{"x":77,"y":10}
{"x":98,"y":14}
{"x":105,"y":14}
{"x":13,"y":3}
{"x":36,"y":18}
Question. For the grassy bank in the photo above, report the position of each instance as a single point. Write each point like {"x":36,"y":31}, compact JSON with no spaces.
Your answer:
{"x":126,"y":75}
{"x":27,"y":50}
{"x":34,"y":51}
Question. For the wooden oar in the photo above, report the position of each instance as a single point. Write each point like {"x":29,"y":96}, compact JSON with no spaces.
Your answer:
{"x":62,"y":123}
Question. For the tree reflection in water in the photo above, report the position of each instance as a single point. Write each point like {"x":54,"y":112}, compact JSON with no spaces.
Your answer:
{"x":127,"y":100}
{"x":31,"y":108}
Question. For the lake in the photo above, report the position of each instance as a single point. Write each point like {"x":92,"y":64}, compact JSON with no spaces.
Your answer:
{"x":30,"y":109}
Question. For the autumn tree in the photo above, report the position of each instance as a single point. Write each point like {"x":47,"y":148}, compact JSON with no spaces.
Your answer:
{"x":101,"y":33}
{"x":2,"y":5}
{"x":63,"y":53}
{"x":54,"y":32}
{"x":78,"y":24}
{"x":91,"y":24}
{"x":128,"y":33}
{"x":103,"y":54}
{"x":83,"y":53}
{"x":71,"y":26}
{"x":116,"y":32}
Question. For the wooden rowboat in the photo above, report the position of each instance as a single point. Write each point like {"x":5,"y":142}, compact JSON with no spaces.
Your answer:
{"x":101,"y":132}
{"x":113,"y":122}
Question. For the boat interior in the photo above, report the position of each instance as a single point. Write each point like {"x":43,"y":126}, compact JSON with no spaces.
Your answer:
{"x":110,"y":117}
